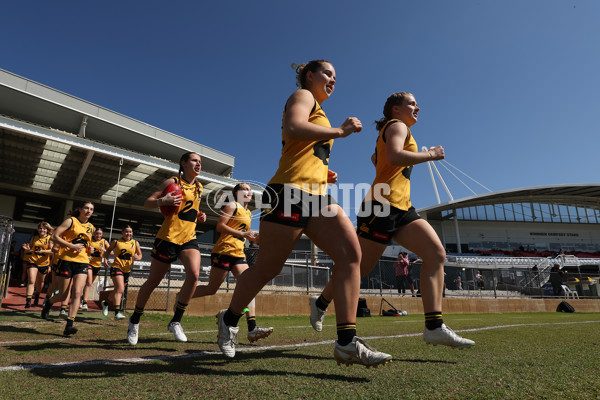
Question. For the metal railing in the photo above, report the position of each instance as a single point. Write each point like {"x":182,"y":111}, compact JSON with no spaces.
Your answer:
{"x":305,"y":273}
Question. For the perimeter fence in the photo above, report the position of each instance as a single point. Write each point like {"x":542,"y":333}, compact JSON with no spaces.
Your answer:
{"x":307,"y":273}
{"x":6,"y":234}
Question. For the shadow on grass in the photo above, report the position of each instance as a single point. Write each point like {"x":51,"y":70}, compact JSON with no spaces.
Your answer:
{"x":421,"y":361}
{"x":192,"y":363}
{"x":90,"y":346}
{"x":20,"y":330}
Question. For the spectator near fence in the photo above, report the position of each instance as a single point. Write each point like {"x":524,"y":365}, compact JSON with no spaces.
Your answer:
{"x":401,"y":268}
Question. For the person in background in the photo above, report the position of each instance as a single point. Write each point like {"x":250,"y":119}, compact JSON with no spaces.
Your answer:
{"x":127,"y":250}
{"x":401,"y":269}
{"x":98,"y":246}
{"x":39,"y":253}
{"x":74,"y":236}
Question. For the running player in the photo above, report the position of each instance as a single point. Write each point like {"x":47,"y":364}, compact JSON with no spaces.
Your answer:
{"x":175,"y":239}
{"x":303,"y":172}
{"x":98,"y":246}
{"x":127,"y":250}
{"x":39,"y":253}
{"x":73,"y":235}
{"x":228,"y":253}
{"x":387,"y":215}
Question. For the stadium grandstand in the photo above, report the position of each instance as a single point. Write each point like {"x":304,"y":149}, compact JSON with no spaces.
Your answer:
{"x":58,"y":149}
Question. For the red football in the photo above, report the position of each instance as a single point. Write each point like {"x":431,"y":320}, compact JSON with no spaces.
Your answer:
{"x":174,"y":189}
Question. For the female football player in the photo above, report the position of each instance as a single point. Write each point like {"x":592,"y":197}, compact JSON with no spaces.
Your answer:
{"x":39,"y":253}
{"x":175,"y":239}
{"x":98,"y":246}
{"x":307,"y":137}
{"x":228,"y":253}
{"x":73,"y":235}
{"x":127,"y":250}
{"x":387,"y":215}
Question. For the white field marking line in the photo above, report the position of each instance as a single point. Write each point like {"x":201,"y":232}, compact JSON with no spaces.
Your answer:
{"x":31,"y":341}
{"x":26,"y":367}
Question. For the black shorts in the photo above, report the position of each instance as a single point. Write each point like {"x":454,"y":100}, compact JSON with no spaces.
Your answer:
{"x":95,"y":270}
{"x":381,"y":229}
{"x":226,"y":262}
{"x":68,"y":269}
{"x":116,"y":271}
{"x":292,"y":206}
{"x":42,"y":270}
{"x":168,"y":252}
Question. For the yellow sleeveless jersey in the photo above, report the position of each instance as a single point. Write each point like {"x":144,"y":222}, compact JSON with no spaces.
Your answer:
{"x":96,"y":255}
{"x":304,"y":164}
{"x":180,"y":228}
{"x":124,"y":252}
{"x":387,"y":175}
{"x":37,"y":244}
{"x":77,"y":233}
{"x":230,"y":245}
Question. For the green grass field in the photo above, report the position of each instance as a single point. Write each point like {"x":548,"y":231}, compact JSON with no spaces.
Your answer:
{"x":516,"y":356}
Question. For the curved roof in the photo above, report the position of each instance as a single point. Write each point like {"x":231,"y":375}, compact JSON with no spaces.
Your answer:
{"x":579,"y":195}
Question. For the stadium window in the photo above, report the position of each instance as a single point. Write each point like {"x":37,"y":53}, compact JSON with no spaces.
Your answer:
{"x":534,"y":211}
{"x":545,"y":212}
{"x":510,"y":212}
{"x":520,"y":214}
{"x":527,"y":214}
{"x":563,"y":212}
{"x":489,"y":213}
{"x":573,"y":216}
{"x":479,"y":213}
{"x":590,"y":216}
{"x":499,"y":212}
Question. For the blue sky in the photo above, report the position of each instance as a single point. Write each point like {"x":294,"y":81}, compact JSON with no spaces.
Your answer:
{"x":509,"y":88}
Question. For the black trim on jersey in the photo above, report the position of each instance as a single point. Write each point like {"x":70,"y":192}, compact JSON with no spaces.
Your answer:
{"x":383,"y":133}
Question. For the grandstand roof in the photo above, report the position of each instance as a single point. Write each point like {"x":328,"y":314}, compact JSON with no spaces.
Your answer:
{"x":580,"y":195}
{"x":57,"y":145}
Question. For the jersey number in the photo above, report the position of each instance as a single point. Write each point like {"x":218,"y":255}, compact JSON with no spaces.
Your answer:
{"x":321,"y":151}
{"x":124,"y":255}
{"x":243,"y":228}
{"x":188,"y":213}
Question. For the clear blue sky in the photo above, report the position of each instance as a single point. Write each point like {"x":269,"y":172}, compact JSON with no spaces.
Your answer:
{"x":510,"y":88}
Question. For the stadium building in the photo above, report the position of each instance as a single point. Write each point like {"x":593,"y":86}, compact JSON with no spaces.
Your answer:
{"x":57,"y":149}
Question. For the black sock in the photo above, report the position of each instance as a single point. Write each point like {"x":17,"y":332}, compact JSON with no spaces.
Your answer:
{"x":137,"y":314}
{"x":230,"y":318}
{"x":63,"y":308}
{"x":117,"y":309}
{"x":251,"y":321}
{"x":322,"y":303}
{"x":433,"y":320}
{"x":70,"y":321}
{"x":179,"y":310}
{"x":346,"y":333}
